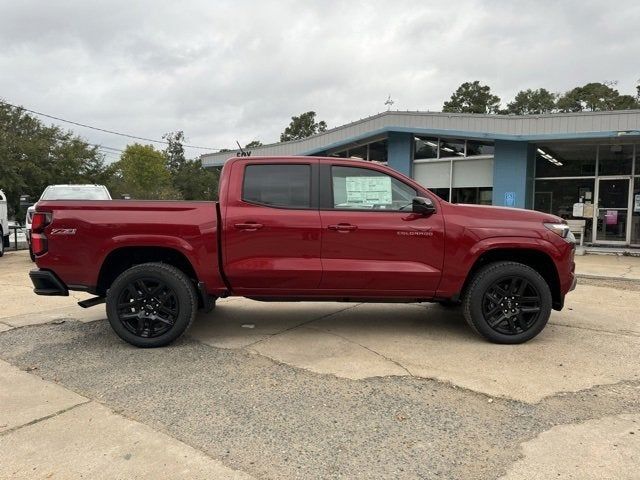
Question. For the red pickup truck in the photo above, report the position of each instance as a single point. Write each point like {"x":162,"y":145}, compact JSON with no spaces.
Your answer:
{"x":304,"y":228}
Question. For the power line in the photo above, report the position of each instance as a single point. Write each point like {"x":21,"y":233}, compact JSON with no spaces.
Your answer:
{"x":135,"y":137}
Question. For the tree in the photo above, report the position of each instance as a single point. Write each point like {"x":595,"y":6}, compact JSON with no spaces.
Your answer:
{"x":194,"y":182}
{"x":594,"y":97}
{"x":253,"y":144}
{"x":303,"y":126}
{"x":471,"y":97}
{"x":142,"y":173}
{"x":174,"y":152}
{"x":528,"y":102}
{"x":33,"y":156}
{"x":188,"y":177}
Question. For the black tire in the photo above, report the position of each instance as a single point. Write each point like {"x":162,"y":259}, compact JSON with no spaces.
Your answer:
{"x":1,"y":242}
{"x":507,"y":302}
{"x":152,"y":304}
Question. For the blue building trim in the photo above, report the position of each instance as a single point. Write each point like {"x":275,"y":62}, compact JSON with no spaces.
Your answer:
{"x":513,"y":170}
{"x":400,"y":152}
{"x":470,"y":136}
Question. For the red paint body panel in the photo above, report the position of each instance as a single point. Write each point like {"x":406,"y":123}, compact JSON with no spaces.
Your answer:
{"x":307,"y":253}
{"x":106,"y":225}
{"x":282,"y":255}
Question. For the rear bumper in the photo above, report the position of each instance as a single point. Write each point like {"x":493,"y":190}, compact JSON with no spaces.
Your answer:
{"x":45,"y":282}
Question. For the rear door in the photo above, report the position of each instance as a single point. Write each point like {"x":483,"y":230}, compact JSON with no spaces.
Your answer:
{"x":272,"y":227}
{"x":372,"y":243}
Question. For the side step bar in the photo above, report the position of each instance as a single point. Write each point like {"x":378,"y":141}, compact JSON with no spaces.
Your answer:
{"x":92,"y":302}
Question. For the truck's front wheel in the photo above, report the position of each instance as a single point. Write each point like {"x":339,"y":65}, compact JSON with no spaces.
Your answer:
{"x":507,"y":302}
{"x":152,"y":304}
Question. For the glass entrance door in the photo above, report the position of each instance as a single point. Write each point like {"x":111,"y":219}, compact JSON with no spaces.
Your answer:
{"x":612,"y":210}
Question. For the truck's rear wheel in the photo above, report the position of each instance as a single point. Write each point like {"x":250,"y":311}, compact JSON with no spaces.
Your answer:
{"x":507,"y":302}
{"x":152,"y":304}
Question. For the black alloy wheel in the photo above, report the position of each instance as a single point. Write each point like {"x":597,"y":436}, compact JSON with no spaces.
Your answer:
{"x":152,"y":304}
{"x":511,"y":305}
{"x":507,"y":302}
{"x":148,"y":307}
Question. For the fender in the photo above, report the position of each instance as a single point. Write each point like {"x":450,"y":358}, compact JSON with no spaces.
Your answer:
{"x":459,"y":266}
{"x":150,"y":240}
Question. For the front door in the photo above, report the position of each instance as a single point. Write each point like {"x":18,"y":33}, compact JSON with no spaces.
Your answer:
{"x":372,"y":243}
{"x":612,"y":210}
{"x":272,"y":228}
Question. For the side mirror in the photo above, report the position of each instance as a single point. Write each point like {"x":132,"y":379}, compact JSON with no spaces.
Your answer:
{"x":423,"y":206}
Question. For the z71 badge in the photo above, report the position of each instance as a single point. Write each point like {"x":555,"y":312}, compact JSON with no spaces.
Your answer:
{"x":63,"y":231}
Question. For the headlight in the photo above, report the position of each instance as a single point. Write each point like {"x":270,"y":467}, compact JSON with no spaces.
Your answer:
{"x":561,"y":229}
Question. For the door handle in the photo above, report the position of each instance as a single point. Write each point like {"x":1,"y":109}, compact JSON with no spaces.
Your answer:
{"x":343,"y":227}
{"x":249,"y":226}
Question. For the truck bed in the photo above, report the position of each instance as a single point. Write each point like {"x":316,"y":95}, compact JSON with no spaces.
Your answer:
{"x":84,"y":233}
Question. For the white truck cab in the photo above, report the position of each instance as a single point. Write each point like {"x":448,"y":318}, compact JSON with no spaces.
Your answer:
{"x":4,"y":223}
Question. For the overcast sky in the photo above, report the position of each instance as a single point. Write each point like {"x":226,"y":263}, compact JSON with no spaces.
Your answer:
{"x":227,"y":70}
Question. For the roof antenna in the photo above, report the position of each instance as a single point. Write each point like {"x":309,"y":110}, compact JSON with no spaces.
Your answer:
{"x":388,"y":102}
{"x":242,"y":152}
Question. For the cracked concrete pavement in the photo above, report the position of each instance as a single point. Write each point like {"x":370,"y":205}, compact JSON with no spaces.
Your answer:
{"x":317,"y":390}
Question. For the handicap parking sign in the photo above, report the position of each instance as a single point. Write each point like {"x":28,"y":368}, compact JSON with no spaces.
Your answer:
{"x":509,"y":199}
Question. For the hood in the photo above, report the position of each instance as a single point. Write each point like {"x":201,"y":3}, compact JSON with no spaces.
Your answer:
{"x":490,"y":212}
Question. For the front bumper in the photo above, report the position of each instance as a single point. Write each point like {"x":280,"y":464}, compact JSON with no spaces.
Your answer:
{"x":45,"y":282}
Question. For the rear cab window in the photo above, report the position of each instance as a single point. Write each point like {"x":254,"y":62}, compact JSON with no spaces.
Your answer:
{"x":278,"y":185}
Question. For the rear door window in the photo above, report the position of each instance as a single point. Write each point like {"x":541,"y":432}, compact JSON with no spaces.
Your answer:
{"x":279,"y":185}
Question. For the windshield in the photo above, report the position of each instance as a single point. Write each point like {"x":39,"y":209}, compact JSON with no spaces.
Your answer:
{"x":76,"y":192}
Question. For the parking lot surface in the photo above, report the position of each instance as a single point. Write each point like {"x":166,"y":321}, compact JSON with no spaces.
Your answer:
{"x":326,"y":390}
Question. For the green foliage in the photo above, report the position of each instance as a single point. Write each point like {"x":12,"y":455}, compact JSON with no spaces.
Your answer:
{"x":33,"y":156}
{"x":303,"y":126}
{"x":175,"y":150}
{"x":595,"y":96}
{"x":529,"y":102}
{"x":142,"y":173}
{"x":253,"y":144}
{"x":188,"y":177}
{"x":471,"y":97}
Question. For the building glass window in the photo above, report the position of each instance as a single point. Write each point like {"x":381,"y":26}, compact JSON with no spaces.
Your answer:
{"x":426,"y":148}
{"x":450,"y":147}
{"x":566,"y":160}
{"x":473,"y":195}
{"x":374,"y":151}
{"x":476,"y":147}
{"x":443,"y":193}
{"x":378,"y":151}
{"x":615,"y":159}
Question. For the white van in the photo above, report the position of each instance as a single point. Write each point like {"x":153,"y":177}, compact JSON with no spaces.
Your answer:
{"x":4,"y":223}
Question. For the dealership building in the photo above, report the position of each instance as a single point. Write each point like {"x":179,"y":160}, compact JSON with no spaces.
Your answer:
{"x":584,"y":167}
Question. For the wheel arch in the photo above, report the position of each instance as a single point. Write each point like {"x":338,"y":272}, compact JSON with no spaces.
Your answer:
{"x":123,"y":258}
{"x":538,"y":260}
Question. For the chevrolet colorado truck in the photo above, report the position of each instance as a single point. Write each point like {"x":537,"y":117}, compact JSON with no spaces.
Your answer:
{"x":304,"y":228}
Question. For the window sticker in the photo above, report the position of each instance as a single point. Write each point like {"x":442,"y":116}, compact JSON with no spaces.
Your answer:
{"x":369,"y":190}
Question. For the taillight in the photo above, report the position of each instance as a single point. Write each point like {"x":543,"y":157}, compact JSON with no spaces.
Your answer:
{"x":40,"y":221}
{"x":39,"y":244}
